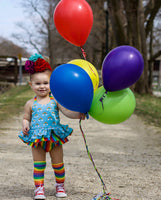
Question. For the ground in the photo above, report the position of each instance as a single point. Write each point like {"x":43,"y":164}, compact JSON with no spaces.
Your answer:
{"x":127,"y":155}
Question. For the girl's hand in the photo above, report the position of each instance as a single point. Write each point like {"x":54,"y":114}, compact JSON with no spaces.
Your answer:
{"x":25,"y":126}
{"x":27,"y":117}
{"x":26,"y":130}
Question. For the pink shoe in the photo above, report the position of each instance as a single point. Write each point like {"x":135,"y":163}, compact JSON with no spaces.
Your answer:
{"x":60,"y":191}
{"x":39,"y":193}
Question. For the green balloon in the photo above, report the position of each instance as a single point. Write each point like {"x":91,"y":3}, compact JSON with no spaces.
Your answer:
{"x":115,"y":107}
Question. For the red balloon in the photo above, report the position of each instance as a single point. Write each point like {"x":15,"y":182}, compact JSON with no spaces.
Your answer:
{"x":73,"y":20}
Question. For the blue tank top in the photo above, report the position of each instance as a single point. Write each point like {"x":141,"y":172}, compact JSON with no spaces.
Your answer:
{"x":44,"y":121}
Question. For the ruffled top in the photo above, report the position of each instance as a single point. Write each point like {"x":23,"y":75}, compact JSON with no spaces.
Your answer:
{"x":45,"y":120}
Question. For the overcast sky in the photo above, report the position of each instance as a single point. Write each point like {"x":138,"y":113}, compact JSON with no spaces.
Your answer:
{"x":10,"y":13}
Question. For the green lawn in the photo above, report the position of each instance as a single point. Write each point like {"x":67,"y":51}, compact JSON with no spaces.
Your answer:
{"x":11,"y":103}
{"x":149,"y":108}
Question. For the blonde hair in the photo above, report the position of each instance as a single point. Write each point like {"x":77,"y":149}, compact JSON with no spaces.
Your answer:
{"x":46,"y":71}
{"x":46,"y":58}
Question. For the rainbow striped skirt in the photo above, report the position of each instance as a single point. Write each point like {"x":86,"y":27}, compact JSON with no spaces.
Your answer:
{"x":46,"y":143}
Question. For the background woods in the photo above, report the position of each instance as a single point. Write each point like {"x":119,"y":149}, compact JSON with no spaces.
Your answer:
{"x":121,"y":22}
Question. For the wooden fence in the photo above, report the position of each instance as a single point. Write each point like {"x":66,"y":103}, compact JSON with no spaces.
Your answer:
{"x":9,"y":69}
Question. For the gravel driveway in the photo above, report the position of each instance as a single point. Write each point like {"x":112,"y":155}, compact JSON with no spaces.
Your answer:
{"x":127,"y":155}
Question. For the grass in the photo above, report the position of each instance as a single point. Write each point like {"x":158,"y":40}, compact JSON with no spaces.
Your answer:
{"x":148,"y":107}
{"x":12,"y":102}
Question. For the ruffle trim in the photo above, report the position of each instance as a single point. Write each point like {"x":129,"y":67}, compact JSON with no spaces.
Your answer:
{"x":61,"y":132}
{"x":46,"y":143}
{"x":54,"y":141}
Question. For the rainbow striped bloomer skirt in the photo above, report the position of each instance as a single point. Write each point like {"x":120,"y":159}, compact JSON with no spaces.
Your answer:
{"x":46,"y":143}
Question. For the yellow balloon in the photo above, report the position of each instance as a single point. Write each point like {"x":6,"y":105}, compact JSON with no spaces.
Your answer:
{"x":90,"y":69}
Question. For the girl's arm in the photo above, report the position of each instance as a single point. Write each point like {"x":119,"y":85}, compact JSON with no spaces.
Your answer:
{"x":71,"y":114}
{"x":27,"y":117}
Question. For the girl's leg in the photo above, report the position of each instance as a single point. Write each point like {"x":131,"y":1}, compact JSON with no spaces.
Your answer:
{"x":56,"y":154}
{"x":58,"y":165}
{"x":39,"y":158}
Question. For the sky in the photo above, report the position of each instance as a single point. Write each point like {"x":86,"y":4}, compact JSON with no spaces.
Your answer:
{"x":11,"y":12}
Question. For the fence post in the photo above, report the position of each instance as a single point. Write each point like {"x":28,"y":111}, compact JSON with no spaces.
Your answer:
{"x":159,"y":77}
{"x":20,"y":69}
{"x":16,"y":70}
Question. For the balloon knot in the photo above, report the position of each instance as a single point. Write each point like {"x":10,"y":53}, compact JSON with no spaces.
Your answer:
{"x":83,"y":53}
{"x":102,"y":98}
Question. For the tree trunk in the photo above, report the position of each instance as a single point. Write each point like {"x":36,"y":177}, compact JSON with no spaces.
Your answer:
{"x":117,"y":21}
{"x":132,"y":34}
{"x":150,"y":76}
{"x":142,"y":84}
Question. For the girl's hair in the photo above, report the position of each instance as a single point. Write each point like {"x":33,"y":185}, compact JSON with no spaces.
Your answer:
{"x":36,"y":63}
{"x":47,"y":71}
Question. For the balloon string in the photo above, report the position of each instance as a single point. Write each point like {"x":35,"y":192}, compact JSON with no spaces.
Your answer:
{"x":84,"y":53}
{"x":102,"y":98}
{"x":94,"y":75}
{"x":91,"y":158}
{"x":84,"y":56}
{"x":104,"y":195}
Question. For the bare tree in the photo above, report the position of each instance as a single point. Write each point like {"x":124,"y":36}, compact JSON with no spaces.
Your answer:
{"x":41,"y":34}
{"x":130,"y":22}
{"x":8,"y":48}
{"x":40,"y":30}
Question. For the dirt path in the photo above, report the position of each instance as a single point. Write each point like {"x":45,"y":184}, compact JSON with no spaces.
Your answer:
{"x":127,"y":155}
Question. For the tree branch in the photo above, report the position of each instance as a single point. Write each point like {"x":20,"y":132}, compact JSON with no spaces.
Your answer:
{"x":155,"y":56}
{"x":153,"y":13}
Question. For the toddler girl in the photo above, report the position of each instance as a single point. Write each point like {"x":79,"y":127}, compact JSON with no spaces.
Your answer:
{"x":41,"y":126}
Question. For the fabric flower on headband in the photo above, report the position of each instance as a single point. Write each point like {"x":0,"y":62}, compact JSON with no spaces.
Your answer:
{"x":36,"y":63}
{"x":35,"y":57}
{"x":29,"y":67}
{"x":41,"y":65}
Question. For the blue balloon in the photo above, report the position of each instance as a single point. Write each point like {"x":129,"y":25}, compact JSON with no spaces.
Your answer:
{"x":72,"y":87}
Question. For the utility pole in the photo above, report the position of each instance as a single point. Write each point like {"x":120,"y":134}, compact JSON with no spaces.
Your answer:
{"x":20,"y":69}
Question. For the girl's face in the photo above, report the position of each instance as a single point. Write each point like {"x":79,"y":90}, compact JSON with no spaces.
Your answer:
{"x":40,"y":83}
